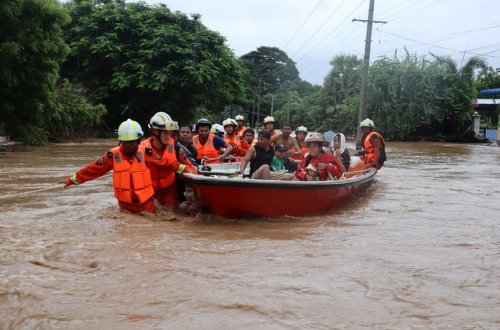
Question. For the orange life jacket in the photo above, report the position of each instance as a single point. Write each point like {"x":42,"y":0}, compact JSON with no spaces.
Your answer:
{"x":240,"y":131}
{"x":160,"y":177}
{"x":369,"y":156}
{"x":206,"y":149}
{"x":303,"y":151}
{"x":131,"y":180}
{"x":233,"y":140}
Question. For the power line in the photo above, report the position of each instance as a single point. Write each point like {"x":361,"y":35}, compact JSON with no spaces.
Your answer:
{"x":302,"y":25}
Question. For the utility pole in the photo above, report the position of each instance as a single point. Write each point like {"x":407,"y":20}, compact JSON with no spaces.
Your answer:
{"x":366,"y":64}
{"x":258,"y":107}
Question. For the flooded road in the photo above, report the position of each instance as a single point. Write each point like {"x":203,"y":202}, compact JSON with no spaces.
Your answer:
{"x":420,"y":249}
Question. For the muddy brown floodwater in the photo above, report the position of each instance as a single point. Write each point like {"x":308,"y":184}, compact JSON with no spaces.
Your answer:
{"x":420,"y":249}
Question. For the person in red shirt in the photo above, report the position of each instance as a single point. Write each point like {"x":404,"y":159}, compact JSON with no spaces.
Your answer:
{"x":327,"y":165}
{"x":132,"y":184}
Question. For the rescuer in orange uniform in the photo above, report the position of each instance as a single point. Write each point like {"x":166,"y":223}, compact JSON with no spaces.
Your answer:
{"x":208,"y":145}
{"x":163,"y":147}
{"x":373,"y":153}
{"x":240,"y":129}
{"x":133,"y":187}
{"x":231,"y":137}
{"x":300,"y":136}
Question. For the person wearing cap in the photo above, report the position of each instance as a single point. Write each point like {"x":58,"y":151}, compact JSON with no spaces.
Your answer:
{"x":133,"y":187}
{"x":231,"y":137}
{"x":281,"y":162}
{"x":162,"y":128}
{"x":286,"y":139}
{"x":240,"y":129}
{"x":269,"y":125}
{"x":373,"y":152}
{"x":300,"y":135}
{"x":329,"y":167}
{"x":208,"y":145}
{"x":260,"y":157}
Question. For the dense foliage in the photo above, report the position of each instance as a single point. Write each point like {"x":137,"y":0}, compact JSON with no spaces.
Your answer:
{"x":31,"y":48}
{"x":134,"y":59}
{"x":141,"y":59}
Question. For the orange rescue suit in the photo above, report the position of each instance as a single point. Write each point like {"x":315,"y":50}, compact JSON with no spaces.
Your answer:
{"x":235,"y":142}
{"x":131,"y":179}
{"x":303,"y":151}
{"x":371,"y":152}
{"x":207,"y":149}
{"x":161,"y":178}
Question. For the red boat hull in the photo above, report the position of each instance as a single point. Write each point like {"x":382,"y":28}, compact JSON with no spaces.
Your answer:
{"x":244,"y":198}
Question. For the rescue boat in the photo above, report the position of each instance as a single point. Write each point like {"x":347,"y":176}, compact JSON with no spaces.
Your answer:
{"x":220,"y":189}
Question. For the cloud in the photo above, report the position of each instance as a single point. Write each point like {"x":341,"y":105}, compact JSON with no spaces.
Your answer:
{"x":459,"y":28}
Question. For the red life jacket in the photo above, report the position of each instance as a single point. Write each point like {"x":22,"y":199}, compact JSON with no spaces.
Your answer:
{"x":131,"y":179}
{"x":160,"y":177}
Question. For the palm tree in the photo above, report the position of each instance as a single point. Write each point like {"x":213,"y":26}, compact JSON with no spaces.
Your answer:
{"x":457,"y":88}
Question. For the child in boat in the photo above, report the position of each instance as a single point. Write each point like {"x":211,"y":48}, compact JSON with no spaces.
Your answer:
{"x":312,"y":171}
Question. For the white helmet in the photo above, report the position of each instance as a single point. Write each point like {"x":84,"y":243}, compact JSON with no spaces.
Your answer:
{"x":129,"y":130}
{"x":174,"y":126}
{"x":239,"y":117}
{"x":229,"y":121}
{"x":367,"y":123}
{"x":268,"y":119}
{"x":301,"y":129}
{"x":161,"y":120}
{"x":217,"y":128}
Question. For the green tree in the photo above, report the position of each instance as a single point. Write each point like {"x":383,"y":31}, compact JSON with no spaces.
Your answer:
{"x":72,"y":113}
{"x":343,"y":80}
{"x":31,"y":49}
{"x":269,"y":68}
{"x":139,"y":59}
{"x":457,"y":88}
{"x":403,"y":95}
{"x":340,"y":95}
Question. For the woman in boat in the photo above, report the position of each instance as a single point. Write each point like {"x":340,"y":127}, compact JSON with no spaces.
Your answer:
{"x":328,"y":166}
{"x":340,"y":151}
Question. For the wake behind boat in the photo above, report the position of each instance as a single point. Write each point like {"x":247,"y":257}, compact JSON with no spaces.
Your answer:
{"x":227,"y":194}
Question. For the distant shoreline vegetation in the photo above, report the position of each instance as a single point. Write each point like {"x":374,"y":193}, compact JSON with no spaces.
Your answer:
{"x":79,"y":68}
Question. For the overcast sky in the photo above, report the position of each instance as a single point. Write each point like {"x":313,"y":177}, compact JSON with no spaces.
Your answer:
{"x":312,"y":32}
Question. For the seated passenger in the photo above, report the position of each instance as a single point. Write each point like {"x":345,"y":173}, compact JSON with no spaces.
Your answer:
{"x":245,"y":143}
{"x":312,"y":171}
{"x":340,"y":151}
{"x":260,"y":157}
{"x":208,"y":145}
{"x":327,"y":165}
